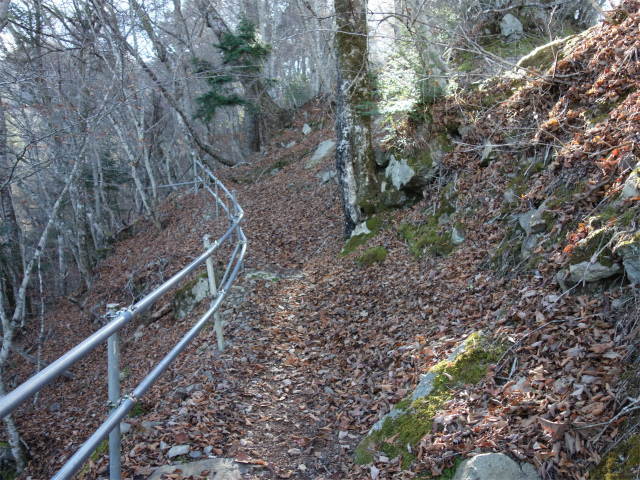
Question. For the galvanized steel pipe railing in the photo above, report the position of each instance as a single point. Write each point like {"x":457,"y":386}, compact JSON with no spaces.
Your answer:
{"x":22,"y":393}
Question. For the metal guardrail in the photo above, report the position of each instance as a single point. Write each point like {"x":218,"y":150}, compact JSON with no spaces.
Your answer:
{"x":121,"y":406}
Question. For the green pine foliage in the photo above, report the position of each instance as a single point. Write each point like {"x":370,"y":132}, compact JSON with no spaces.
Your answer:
{"x":243,"y":55}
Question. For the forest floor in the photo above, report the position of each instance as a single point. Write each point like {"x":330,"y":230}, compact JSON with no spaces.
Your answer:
{"x":315,"y":357}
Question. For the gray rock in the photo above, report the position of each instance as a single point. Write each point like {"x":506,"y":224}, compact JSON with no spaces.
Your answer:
{"x":326,"y":176}
{"x":399,"y":173}
{"x":457,"y":236}
{"x":592,"y":272}
{"x":464,"y":129}
{"x":179,"y":394}
{"x":382,"y":158}
{"x":361,"y":229}
{"x":195,"y":454}
{"x":632,"y":185}
{"x":509,"y":196}
{"x":146,"y":426}
{"x":325,"y":149}
{"x":306,"y":129}
{"x":178,"y":450}
{"x":629,"y":249}
{"x":55,"y":407}
{"x":291,"y":144}
{"x":220,"y":468}
{"x":207,"y":450}
{"x":529,"y":244}
{"x":139,"y":334}
{"x":262,"y":275}
{"x":494,"y":466}
{"x":532,"y":221}
{"x":489,"y":152}
{"x":511,"y":28}
{"x":6,"y":453}
{"x":125,"y":428}
{"x":189,"y":297}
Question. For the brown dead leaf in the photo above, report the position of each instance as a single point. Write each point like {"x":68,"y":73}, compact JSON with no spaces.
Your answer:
{"x":242,"y":458}
{"x":556,"y":430}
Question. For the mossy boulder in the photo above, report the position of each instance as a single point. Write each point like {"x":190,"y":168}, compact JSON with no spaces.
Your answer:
{"x":414,"y":172}
{"x":413,"y":417}
{"x":187,"y":298}
{"x":436,"y":236}
{"x":371,"y":256}
{"x":544,"y":56}
{"x":596,"y":244}
{"x":362,"y":234}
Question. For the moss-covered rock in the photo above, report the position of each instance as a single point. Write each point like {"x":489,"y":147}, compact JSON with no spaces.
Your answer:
{"x":187,"y":298}
{"x":412,"y":418}
{"x":436,"y":237}
{"x":544,"y":56}
{"x":415,"y":171}
{"x":362,"y":234}
{"x":596,"y":243}
{"x":371,"y":256}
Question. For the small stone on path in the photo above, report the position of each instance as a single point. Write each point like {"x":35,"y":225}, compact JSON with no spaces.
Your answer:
{"x":178,"y":450}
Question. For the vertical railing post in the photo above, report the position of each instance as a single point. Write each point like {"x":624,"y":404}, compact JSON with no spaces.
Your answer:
{"x":113,"y":366}
{"x":214,"y":294}
{"x":195,"y":172}
{"x":229,"y":203}
{"x":217,"y":205}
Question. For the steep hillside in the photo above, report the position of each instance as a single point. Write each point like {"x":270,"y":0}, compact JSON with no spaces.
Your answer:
{"x":331,"y":340}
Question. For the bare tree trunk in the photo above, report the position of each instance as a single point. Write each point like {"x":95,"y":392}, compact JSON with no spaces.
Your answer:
{"x":9,"y":326}
{"x":133,"y":162}
{"x":13,"y":261}
{"x":355,"y":162}
{"x":18,"y":313}
{"x":82,"y":236}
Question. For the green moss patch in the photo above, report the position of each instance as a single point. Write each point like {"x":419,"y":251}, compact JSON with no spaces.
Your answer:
{"x":620,"y":463}
{"x":101,"y":450}
{"x":371,"y":256}
{"x":427,"y":239}
{"x":596,"y":243}
{"x":413,"y":418}
{"x":374,"y":225}
{"x":137,"y":410}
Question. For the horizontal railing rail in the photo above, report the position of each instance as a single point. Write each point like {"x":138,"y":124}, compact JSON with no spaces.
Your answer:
{"x":12,"y":400}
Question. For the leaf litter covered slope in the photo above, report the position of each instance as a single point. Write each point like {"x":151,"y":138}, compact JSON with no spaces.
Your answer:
{"x":318,"y":356}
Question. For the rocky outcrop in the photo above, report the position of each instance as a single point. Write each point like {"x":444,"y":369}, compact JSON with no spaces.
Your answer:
{"x":416,"y":171}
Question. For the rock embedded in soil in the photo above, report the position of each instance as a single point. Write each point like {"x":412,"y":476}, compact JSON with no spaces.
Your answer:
{"x":494,"y":466}
{"x":219,"y":469}
{"x":325,"y":149}
{"x":178,"y":450}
